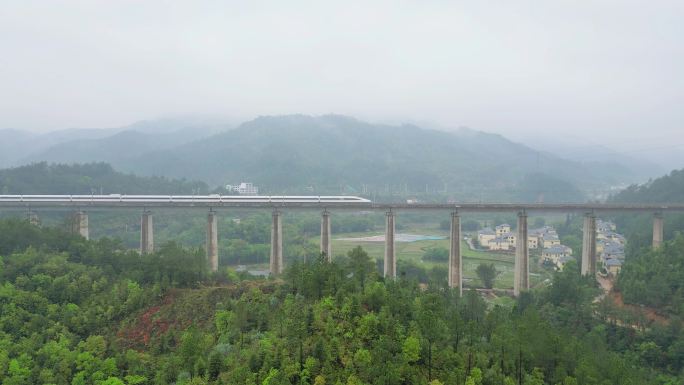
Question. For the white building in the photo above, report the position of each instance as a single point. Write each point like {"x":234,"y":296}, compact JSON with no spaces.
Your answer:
{"x":484,"y":236}
{"x":244,"y":188}
{"x":503,"y":229}
{"x":499,"y":244}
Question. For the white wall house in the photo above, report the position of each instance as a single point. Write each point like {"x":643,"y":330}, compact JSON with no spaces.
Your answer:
{"x":503,"y":229}
{"x":244,"y":188}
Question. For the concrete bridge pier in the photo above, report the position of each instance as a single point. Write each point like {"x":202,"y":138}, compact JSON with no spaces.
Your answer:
{"x":521,"y":274}
{"x":146,"y":233}
{"x":589,"y":245}
{"x":276,"y":263}
{"x":390,"y":258}
{"x":455,"y":258}
{"x":326,"y":242}
{"x":79,"y":224}
{"x":658,"y":227}
{"x":212,"y":240}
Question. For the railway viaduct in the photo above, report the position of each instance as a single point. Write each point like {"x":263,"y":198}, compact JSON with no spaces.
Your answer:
{"x":80,"y":204}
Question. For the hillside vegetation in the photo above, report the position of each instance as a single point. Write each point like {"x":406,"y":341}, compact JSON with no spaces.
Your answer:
{"x":650,"y":277}
{"x":663,"y":190}
{"x":655,"y":278}
{"x":666,"y":189}
{"x":85,"y":312}
{"x":91,"y":178}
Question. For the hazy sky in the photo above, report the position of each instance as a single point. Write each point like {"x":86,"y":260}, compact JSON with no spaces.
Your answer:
{"x":610,"y":70}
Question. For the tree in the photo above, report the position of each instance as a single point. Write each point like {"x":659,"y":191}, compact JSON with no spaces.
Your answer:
{"x":437,"y":254}
{"x":411,"y":349}
{"x":215,"y":365}
{"x":431,"y":322}
{"x":361,"y":265}
{"x":487,"y":273}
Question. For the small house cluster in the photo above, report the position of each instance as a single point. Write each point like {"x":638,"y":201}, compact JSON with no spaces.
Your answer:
{"x":553,"y":252}
{"x":502,"y":239}
{"x":610,"y":246}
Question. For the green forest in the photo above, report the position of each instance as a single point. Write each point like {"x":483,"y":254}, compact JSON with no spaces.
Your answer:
{"x":654,"y":277}
{"x":86,"y":179}
{"x":91,"y":312}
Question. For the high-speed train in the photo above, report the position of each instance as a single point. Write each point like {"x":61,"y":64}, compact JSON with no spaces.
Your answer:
{"x":179,"y":199}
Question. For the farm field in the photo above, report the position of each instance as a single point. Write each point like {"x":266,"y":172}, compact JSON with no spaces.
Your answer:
{"x":413,"y":251}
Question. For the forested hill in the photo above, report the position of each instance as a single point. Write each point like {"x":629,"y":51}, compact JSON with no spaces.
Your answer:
{"x":336,"y":153}
{"x":76,"y":312}
{"x":41,"y":178}
{"x":666,"y":189}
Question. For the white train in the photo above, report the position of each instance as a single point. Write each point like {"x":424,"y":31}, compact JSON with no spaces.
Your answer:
{"x":214,"y":198}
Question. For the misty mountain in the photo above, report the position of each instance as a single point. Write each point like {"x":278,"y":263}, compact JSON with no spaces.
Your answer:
{"x":578,"y":149}
{"x":13,"y":145}
{"x":116,"y":148}
{"x":19,"y":147}
{"x":335,"y":154}
{"x":102,"y":144}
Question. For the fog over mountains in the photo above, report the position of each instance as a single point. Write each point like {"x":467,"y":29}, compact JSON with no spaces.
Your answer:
{"x":333,"y":154}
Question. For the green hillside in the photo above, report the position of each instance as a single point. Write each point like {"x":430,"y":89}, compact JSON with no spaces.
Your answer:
{"x":92,"y":178}
{"x":78,"y":312}
{"x":666,"y":189}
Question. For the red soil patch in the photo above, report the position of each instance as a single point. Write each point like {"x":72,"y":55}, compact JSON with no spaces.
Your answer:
{"x":155,"y":322}
{"x":650,"y":314}
{"x":147,"y":325}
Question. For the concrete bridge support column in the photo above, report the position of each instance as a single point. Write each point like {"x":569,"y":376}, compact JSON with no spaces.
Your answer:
{"x":455,"y":258}
{"x":79,"y":224}
{"x":212,"y":240}
{"x":276,"y":264}
{"x":589,"y":245}
{"x":390,"y":258}
{"x":326,"y":242}
{"x":521,"y":279}
{"x":146,"y":233}
{"x":657,"y":230}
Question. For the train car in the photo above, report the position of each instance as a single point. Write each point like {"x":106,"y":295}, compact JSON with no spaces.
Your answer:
{"x":176,"y":199}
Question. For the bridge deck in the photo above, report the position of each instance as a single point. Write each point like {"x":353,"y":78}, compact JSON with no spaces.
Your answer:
{"x":301,"y":202}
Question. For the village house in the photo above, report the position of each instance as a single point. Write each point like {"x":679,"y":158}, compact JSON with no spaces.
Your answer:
{"x":610,"y":246}
{"x":503,"y":229}
{"x":562,"y":261}
{"x":553,"y":253}
{"x":500,"y":244}
{"x":510,"y":238}
{"x":484,"y":236}
{"x":613,"y":266}
{"x":612,"y":251}
{"x":546,"y":236}
{"x":605,"y":226}
{"x":550,"y":240}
